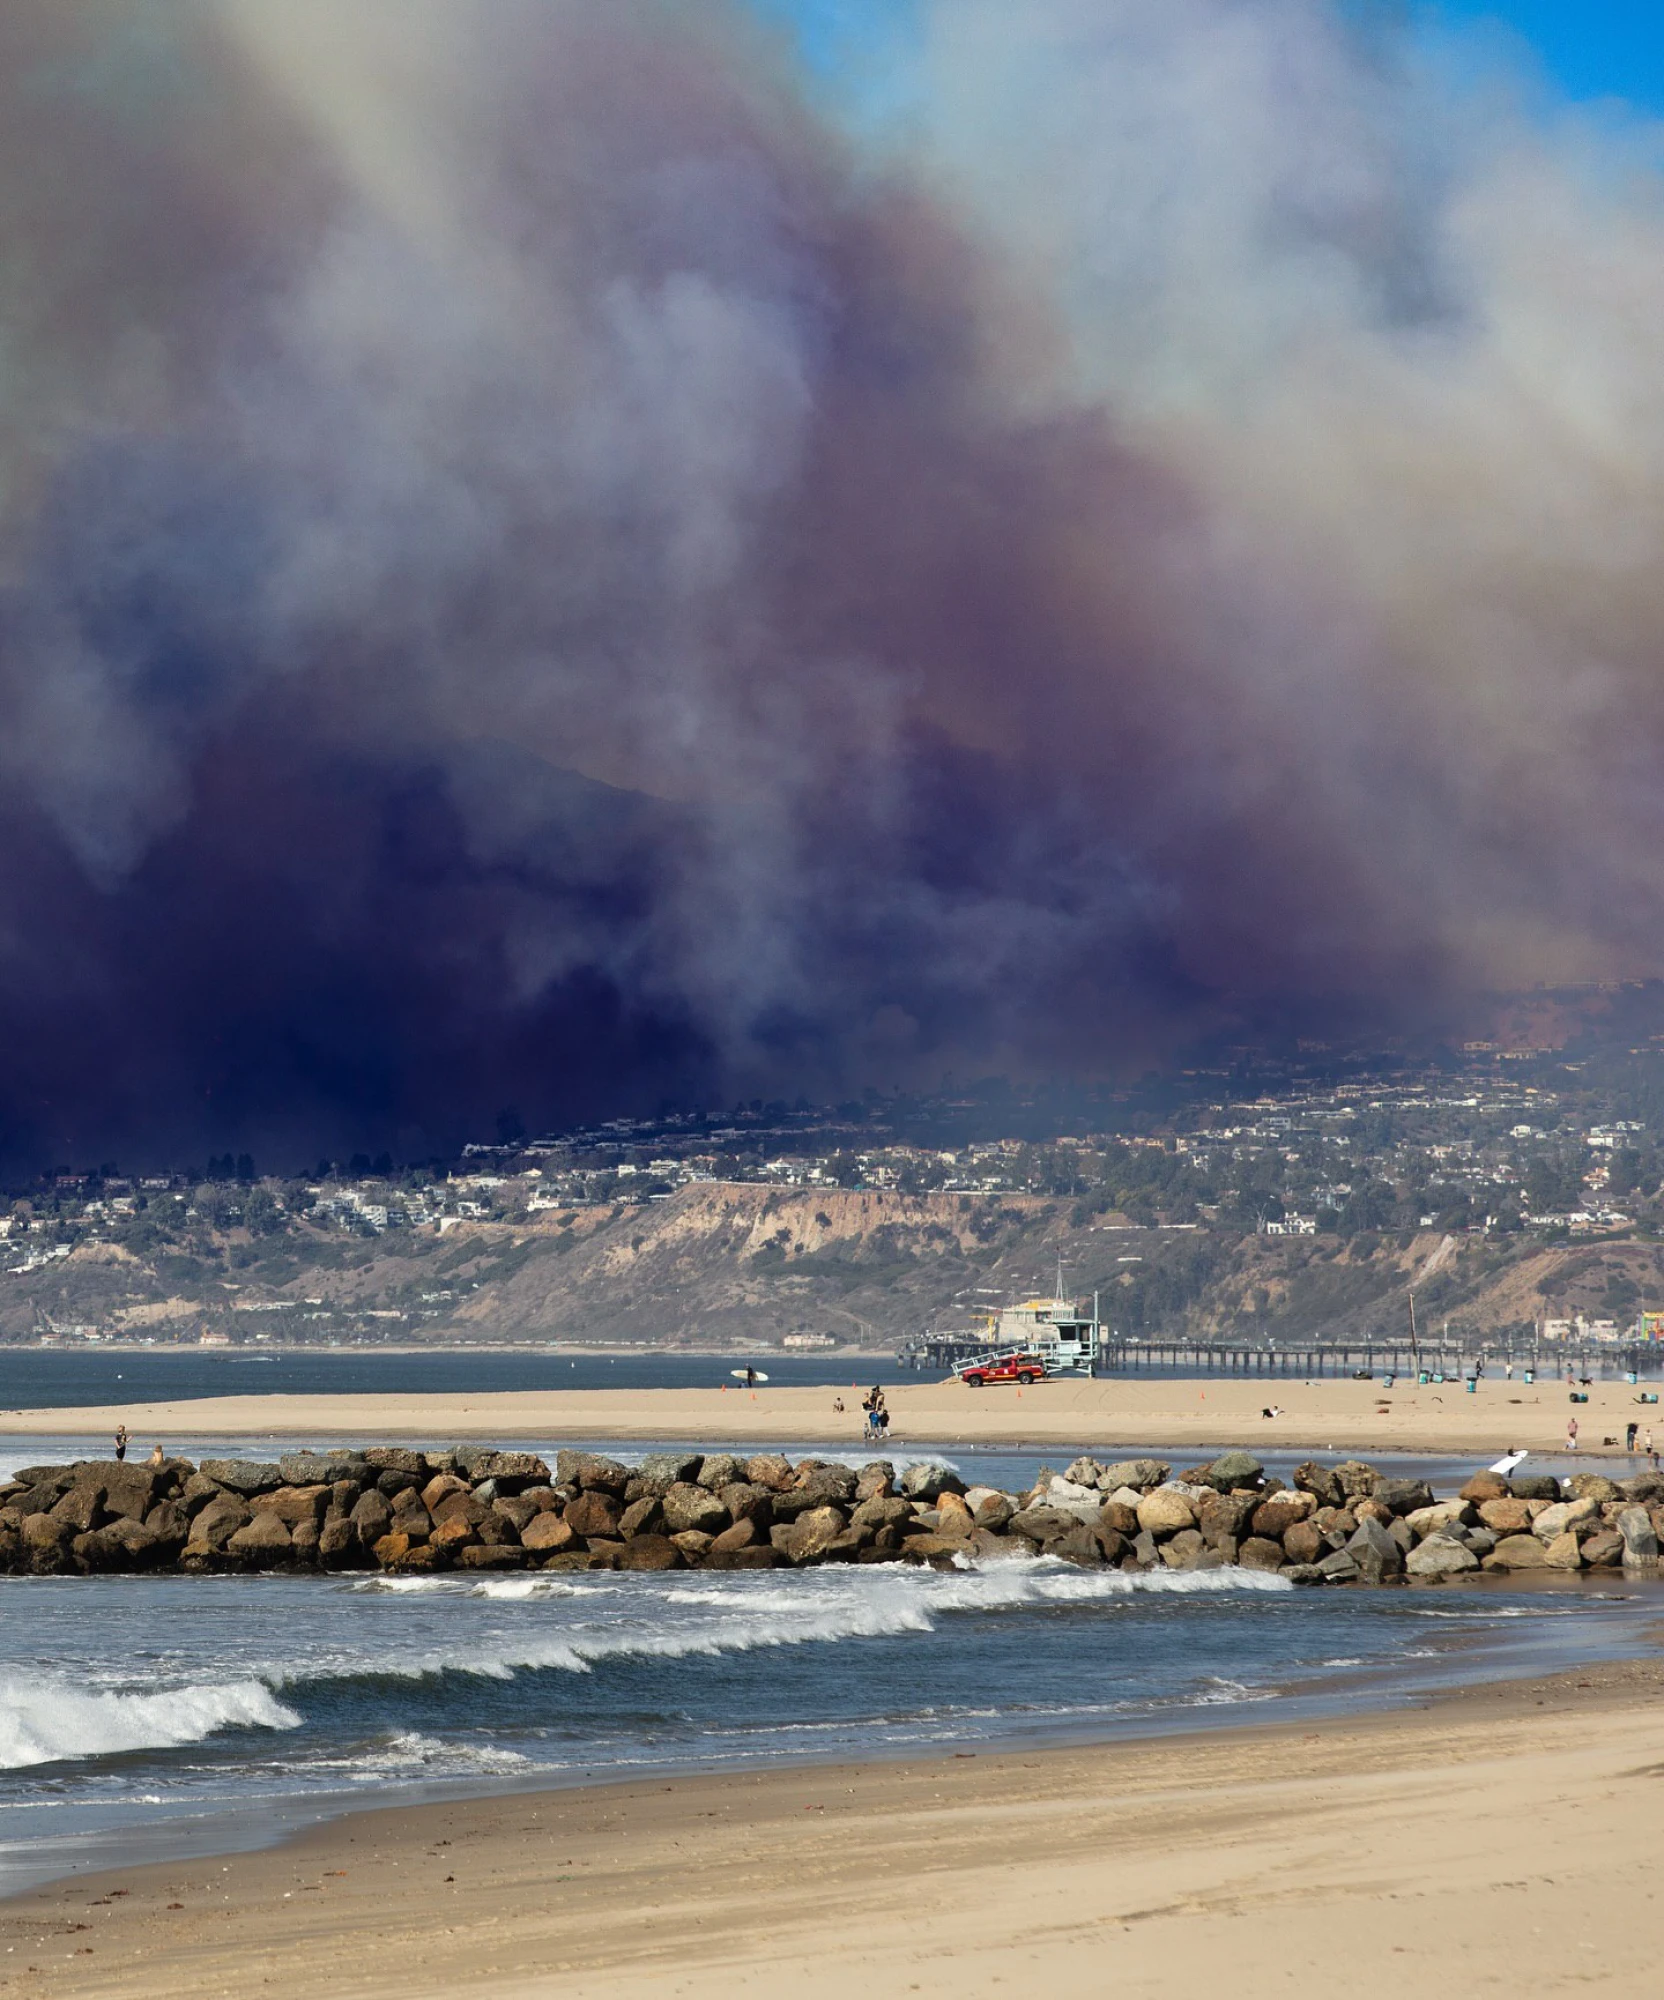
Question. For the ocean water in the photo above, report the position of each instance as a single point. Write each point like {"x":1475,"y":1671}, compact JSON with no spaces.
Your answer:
{"x":147,"y":1718}
{"x":36,"y":1378}
{"x":33,"y":1378}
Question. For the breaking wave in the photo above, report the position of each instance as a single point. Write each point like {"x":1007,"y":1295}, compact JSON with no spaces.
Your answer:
{"x":617,"y":1618}
{"x":43,"y":1720}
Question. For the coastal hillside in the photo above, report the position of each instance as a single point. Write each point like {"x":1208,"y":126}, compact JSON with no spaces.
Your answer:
{"x":724,"y":1263}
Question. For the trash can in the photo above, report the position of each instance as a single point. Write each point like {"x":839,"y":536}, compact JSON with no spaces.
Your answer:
{"x":1530,"y":1377}
{"x":1630,"y":1378}
{"x":1473,"y":1386}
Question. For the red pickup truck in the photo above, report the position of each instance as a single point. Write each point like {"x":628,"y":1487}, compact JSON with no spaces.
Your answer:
{"x":1007,"y":1368}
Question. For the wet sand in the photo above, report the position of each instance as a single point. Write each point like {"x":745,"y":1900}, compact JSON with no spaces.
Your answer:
{"x":1321,"y":1416}
{"x":1500,"y":1839}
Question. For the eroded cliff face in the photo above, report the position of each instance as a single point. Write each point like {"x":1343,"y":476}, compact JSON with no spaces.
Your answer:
{"x":726,"y":1262}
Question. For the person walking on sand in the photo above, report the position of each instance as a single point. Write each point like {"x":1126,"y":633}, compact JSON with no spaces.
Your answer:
{"x":1630,"y":1433}
{"x":121,"y":1443}
{"x":1571,"y":1434}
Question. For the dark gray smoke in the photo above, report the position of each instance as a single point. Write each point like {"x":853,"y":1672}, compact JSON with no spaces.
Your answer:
{"x":543,"y":565}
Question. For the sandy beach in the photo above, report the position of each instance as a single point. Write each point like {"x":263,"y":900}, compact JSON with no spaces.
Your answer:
{"x":1500,"y":1837}
{"x":1324,"y":1416}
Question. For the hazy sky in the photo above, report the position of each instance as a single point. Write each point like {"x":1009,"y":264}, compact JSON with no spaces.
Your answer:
{"x":573,"y":557}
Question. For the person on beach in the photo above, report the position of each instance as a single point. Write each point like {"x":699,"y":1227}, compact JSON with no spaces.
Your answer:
{"x":750,"y":1376}
{"x":1571,"y":1434}
{"x":157,"y":1460}
{"x":1631,"y":1431}
{"x":121,"y":1443}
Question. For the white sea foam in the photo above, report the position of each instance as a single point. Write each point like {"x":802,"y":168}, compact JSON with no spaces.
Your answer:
{"x":43,"y":1720}
{"x":602,"y":1616}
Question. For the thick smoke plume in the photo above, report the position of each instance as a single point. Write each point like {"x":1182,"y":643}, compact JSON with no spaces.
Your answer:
{"x":542,"y":562}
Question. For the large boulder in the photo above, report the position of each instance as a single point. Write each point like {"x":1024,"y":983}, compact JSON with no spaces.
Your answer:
{"x":1165,"y":1512}
{"x":1358,"y":1480}
{"x":1593,"y":1486}
{"x":1261,"y":1552}
{"x":1402,"y":1496}
{"x":370,"y":1518}
{"x":1042,"y":1524}
{"x":928,"y":1479}
{"x":642,"y":1517}
{"x":264,"y":1539}
{"x":806,"y":1538}
{"x":1138,"y":1473}
{"x":1534,"y":1486}
{"x":308,"y":1468}
{"x":594,"y":1514}
{"x":338,"y":1546}
{"x":1563,"y":1552}
{"x":876,"y":1514}
{"x":45,"y":1541}
{"x":688,"y":1506}
{"x":876,"y":1480}
{"x":508,"y":1471}
{"x":721,"y":1468}
{"x":1232,"y":1469}
{"x":1604,"y":1549}
{"x":1272,"y":1519}
{"x":593,"y":1473}
{"x":1374,"y":1551}
{"x":1339,"y":1567}
{"x":293,"y":1504}
{"x":650,"y":1552}
{"x":1305,"y":1542}
{"x":129,"y":1490}
{"x":1555,"y":1520}
{"x":1517,"y":1552}
{"x":769,"y":1469}
{"x":124,"y":1544}
{"x":1085,"y":1472}
{"x":1439,"y":1557}
{"x":450,"y":1537}
{"x":81,"y":1508}
{"x":744,"y":1534}
{"x":1640,"y":1538}
{"x":242,"y":1475}
{"x":1506,"y":1517}
{"x":492,"y":1555}
{"x":1080,"y":1545}
{"x":214,"y":1525}
{"x":749,"y":1503}
{"x":990,"y":1509}
{"x":1320,"y":1482}
{"x":395,"y":1458}
{"x":1485,"y":1486}
{"x":1647,"y":1487}
{"x":665,"y":1468}
{"x":547,"y":1534}
{"x":1441,"y":1516}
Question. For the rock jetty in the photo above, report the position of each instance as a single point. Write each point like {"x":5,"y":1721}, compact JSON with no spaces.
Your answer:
{"x":468,"y":1509}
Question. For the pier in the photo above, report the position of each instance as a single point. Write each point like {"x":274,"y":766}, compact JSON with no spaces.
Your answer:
{"x":1450,"y":1359}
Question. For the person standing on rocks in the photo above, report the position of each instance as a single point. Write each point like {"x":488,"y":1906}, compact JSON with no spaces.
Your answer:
{"x":157,"y":1459}
{"x":121,"y":1443}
